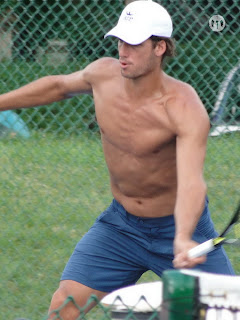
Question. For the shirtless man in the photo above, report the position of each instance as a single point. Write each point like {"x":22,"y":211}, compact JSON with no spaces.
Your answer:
{"x":154,"y":131}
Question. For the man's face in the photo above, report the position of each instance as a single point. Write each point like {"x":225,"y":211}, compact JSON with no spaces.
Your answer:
{"x":137,"y":60}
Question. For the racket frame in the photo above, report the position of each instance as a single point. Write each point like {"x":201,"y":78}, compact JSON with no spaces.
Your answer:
{"x":212,"y":244}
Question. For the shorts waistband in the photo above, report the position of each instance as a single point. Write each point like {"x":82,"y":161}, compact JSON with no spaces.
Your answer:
{"x":145,"y":222}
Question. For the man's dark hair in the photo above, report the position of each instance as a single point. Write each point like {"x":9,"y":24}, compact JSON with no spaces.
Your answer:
{"x":170,"y":47}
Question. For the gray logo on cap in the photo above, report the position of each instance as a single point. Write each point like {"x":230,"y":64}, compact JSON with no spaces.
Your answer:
{"x":129,"y":16}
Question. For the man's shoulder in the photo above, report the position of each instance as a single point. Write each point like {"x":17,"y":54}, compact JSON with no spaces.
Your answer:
{"x":182,"y":97}
{"x":181,"y":91}
{"x":105,"y":62}
{"x":183,"y":102}
{"x":102,"y":68}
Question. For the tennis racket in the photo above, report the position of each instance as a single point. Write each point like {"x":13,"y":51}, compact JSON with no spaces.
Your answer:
{"x":212,"y":244}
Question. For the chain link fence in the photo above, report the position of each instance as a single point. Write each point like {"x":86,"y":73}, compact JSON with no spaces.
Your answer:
{"x":54,"y":181}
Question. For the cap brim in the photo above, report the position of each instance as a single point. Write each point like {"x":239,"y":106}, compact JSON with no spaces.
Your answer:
{"x":133,"y":37}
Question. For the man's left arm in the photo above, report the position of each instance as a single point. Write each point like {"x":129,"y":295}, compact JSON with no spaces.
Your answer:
{"x":191,"y":123}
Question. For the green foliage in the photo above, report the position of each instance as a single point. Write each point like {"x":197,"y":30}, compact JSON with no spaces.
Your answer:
{"x":204,"y":57}
{"x":40,"y":21}
{"x":199,"y":63}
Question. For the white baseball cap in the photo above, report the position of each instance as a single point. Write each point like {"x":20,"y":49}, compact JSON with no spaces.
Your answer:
{"x":140,"y":20}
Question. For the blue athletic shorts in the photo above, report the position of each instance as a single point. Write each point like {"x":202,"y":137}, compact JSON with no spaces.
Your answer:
{"x":120,"y":247}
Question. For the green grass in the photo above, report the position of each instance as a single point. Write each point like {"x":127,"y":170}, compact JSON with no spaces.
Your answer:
{"x":223,"y":178}
{"x":51,"y":191}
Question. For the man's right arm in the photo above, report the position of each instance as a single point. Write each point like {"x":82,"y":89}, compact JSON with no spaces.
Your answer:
{"x":46,"y":90}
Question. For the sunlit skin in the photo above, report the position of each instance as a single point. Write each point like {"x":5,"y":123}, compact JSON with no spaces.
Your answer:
{"x":134,"y":139}
{"x":154,"y":132}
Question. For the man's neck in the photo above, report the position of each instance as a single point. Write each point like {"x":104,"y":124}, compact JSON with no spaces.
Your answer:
{"x":145,"y":86}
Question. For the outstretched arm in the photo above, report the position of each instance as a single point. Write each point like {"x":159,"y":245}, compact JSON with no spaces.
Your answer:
{"x":46,"y":90}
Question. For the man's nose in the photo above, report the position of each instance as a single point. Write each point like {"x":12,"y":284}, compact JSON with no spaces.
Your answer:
{"x":124,"y":49}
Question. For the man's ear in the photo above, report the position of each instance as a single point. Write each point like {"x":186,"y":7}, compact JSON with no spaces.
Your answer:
{"x":160,"y":48}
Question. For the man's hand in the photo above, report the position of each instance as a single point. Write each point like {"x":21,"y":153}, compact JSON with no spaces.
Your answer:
{"x":181,"y":259}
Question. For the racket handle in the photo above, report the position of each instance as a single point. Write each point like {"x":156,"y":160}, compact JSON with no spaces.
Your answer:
{"x":201,"y":249}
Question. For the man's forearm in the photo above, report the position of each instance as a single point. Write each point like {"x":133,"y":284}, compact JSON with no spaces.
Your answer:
{"x":40,"y":92}
{"x":188,"y":211}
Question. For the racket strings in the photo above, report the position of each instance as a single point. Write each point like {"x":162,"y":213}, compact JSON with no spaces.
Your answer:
{"x":233,"y":222}
{"x":236,"y":231}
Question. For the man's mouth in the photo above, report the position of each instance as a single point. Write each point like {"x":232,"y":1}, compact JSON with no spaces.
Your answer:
{"x":124,"y":64}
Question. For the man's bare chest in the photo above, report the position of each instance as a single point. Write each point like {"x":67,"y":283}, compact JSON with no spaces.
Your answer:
{"x":139,"y":130}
